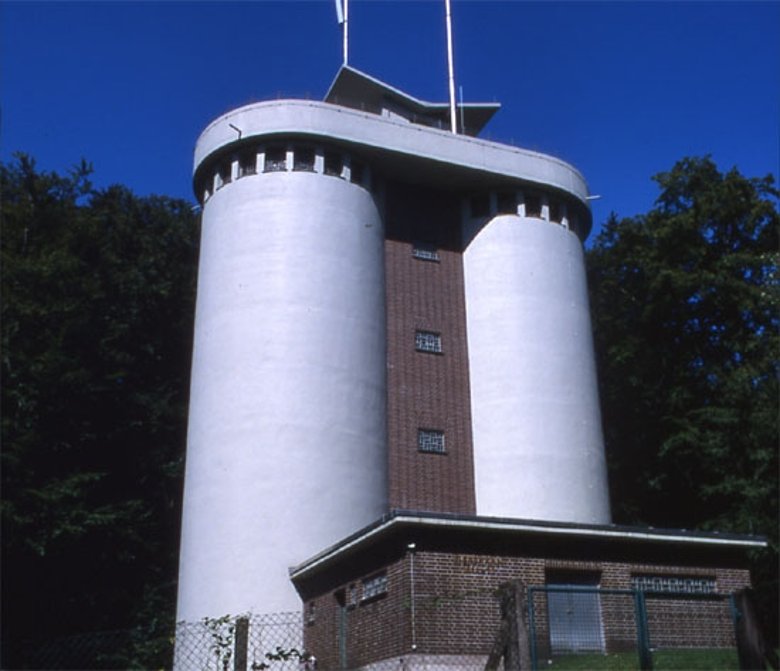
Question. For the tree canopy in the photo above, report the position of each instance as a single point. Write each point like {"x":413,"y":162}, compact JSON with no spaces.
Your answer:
{"x":97,"y":307}
{"x":685,"y":313}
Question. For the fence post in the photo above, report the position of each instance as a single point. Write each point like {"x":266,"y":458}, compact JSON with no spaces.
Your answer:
{"x":532,"y":630}
{"x":241,"y":643}
{"x":512,"y":638}
{"x":642,"y":633}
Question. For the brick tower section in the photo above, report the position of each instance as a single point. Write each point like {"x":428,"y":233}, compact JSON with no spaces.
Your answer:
{"x":427,"y":390}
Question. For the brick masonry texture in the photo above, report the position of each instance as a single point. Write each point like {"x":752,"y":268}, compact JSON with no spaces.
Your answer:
{"x":456,"y":609}
{"x":427,"y":390}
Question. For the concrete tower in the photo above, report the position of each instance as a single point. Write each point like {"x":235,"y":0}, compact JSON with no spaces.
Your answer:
{"x":389,"y":316}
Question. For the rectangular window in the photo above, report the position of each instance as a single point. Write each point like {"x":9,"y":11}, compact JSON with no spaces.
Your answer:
{"x":333,"y":164}
{"x":533,"y":205}
{"x":374,"y":586}
{"x":556,"y":212}
{"x":425,"y":252}
{"x":506,"y":202}
{"x":275,"y":159}
{"x":673,"y":584}
{"x":430,"y":440}
{"x":427,"y":341}
{"x":303,"y":159}
{"x":223,"y":174}
{"x":247,"y":164}
{"x":357,"y":172}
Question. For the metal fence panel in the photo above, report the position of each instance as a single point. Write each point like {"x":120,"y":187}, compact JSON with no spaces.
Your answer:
{"x":588,"y":627}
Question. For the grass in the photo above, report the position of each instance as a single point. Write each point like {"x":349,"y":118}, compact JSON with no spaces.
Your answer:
{"x":663,"y":660}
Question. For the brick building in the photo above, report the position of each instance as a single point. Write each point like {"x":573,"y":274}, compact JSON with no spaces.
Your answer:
{"x":394,"y":405}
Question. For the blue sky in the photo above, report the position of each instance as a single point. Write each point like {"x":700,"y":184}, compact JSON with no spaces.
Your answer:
{"x":619,"y":89}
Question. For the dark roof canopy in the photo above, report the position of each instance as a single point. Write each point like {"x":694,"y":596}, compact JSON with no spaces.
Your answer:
{"x":357,"y":90}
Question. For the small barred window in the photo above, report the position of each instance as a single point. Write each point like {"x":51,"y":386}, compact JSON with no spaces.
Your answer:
{"x":673,"y":584}
{"x":430,"y":440}
{"x":374,"y":586}
{"x":425,"y":252}
{"x":427,"y":341}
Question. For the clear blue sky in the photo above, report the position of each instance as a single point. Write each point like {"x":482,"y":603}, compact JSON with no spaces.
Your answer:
{"x":619,"y":89}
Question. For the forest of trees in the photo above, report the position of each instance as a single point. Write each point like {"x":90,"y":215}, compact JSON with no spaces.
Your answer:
{"x":98,"y":289}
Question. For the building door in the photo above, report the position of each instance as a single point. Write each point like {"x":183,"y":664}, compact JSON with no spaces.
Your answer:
{"x":574,"y":613}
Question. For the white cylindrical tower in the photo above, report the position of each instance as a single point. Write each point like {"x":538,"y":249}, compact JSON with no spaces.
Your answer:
{"x":538,"y":446}
{"x":286,"y":449}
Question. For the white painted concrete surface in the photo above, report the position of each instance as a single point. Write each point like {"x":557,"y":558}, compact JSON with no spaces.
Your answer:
{"x":538,"y":446}
{"x":287,"y":117}
{"x":287,"y":436}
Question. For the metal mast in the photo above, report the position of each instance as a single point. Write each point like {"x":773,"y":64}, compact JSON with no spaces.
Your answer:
{"x":451,"y":68}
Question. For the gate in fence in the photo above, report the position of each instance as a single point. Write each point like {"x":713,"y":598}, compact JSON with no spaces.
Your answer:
{"x":581,"y":626}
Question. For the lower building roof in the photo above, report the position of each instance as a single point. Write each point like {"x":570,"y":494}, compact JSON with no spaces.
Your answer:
{"x":506,"y":536}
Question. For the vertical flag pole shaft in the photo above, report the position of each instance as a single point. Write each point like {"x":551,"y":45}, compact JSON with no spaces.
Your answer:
{"x":346,"y":31}
{"x":450,"y":67}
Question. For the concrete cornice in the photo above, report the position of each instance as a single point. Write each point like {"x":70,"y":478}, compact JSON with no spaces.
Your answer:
{"x":459,"y":156}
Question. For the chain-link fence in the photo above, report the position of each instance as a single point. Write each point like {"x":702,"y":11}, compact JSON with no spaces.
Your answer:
{"x":270,"y":641}
{"x":510,"y":628}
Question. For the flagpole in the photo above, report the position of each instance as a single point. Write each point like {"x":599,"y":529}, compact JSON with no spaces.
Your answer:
{"x":346,"y":31}
{"x":451,"y":68}
{"x":342,"y":15}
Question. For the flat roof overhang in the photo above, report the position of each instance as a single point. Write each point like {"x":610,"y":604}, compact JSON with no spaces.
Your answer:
{"x":428,"y":156}
{"x":389,"y":536}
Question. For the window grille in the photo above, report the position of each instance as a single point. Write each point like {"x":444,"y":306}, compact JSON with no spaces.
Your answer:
{"x":673,"y":584}
{"x":425,"y":252}
{"x":374,"y":586}
{"x":430,"y":440}
{"x":427,"y":341}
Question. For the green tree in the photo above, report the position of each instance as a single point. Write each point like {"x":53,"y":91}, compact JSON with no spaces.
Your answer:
{"x":685,"y":309}
{"x":97,"y":305}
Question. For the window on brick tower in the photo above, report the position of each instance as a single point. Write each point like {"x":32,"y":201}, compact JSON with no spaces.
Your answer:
{"x":425,"y":251}
{"x":427,"y":341}
{"x":430,"y":440}
{"x":374,"y":586}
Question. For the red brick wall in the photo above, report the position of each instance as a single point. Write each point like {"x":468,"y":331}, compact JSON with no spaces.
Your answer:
{"x":426,"y":390}
{"x":456,"y":609}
